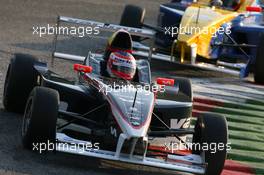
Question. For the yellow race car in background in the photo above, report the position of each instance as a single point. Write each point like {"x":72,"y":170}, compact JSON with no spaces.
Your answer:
{"x":217,"y":35}
{"x":201,"y":21}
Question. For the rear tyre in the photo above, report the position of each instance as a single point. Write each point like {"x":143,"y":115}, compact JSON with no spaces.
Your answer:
{"x":211,"y":130}
{"x":185,"y":94}
{"x":133,"y":16}
{"x":185,"y":90}
{"x":259,"y":65}
{"x":40,"y":118}
{"x":20,"y":79}
{"x":180,"y":92}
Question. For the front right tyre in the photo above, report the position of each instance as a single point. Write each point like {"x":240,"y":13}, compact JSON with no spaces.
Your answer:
{"x":40,"y":118}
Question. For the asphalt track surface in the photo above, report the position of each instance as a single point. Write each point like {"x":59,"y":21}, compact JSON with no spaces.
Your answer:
{"x":240,"y":101}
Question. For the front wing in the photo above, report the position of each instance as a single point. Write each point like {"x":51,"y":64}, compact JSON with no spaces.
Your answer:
{"x":189,"y":163}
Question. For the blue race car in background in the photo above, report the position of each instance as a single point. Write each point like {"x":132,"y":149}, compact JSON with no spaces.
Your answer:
{"x":237,"y":50}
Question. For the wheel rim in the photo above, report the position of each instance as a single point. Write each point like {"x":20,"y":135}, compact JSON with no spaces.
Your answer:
{"x":6,"y":81}
{"x":27,"y":117}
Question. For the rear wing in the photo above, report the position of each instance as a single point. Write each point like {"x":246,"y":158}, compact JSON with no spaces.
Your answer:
{"x":144,"y":33}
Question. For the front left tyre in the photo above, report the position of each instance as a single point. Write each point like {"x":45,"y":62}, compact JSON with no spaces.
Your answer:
{"x":210,"y":137}
{"x":20,"y":79}
{"x":40,"y":119}
{"x":259,"y":65}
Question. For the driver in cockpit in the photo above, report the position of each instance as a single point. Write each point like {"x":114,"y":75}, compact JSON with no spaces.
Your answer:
{"x":119,"y":61}
{"x":230,"y":4}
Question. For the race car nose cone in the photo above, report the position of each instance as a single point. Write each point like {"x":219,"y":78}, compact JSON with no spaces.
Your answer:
{"x":132,"y":109}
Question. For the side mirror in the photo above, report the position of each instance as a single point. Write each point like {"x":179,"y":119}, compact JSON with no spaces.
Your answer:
{"x":165,"y":81}
{"x":253,"y":9}
{"x":82,"y":68}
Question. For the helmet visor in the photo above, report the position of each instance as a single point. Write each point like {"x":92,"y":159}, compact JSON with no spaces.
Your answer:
{"x":124,"y":69}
